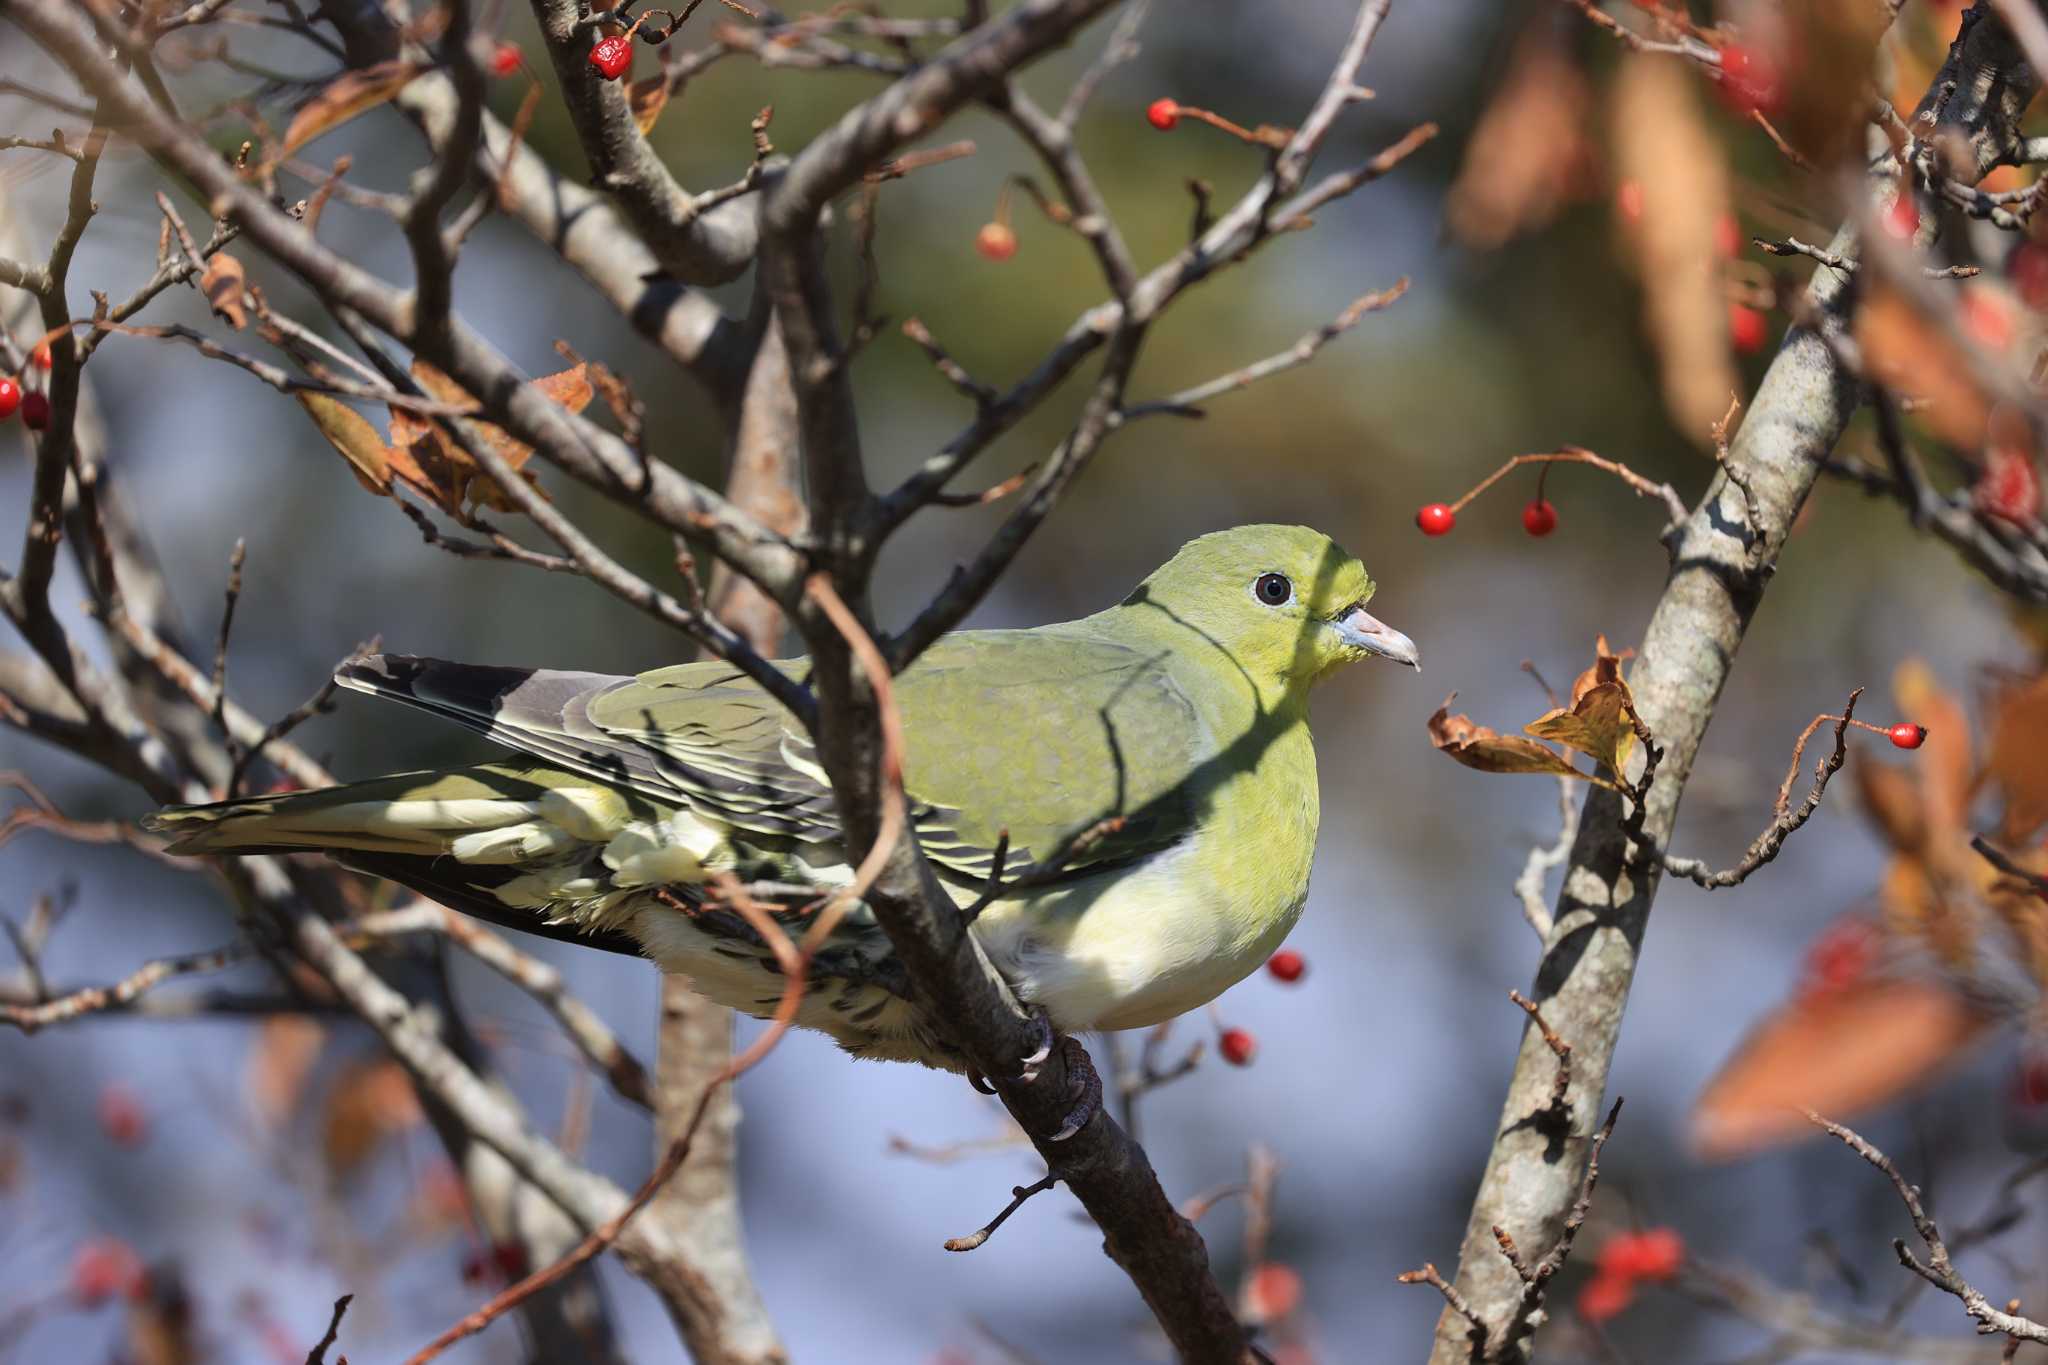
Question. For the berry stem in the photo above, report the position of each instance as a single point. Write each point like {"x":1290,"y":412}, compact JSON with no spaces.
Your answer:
{"x":1642,"y":487}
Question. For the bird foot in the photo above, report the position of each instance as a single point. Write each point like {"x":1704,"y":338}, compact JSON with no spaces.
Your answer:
{"x":1084,"y":1087}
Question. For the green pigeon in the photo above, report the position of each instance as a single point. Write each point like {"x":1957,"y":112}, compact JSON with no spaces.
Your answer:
{"x":1146,"y":774}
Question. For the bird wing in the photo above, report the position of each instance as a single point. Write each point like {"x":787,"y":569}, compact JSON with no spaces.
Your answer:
{"x":1079,"y":748}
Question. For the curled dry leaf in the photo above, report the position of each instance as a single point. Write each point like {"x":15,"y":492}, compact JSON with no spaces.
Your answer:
{"x":223,"y":284}
{"x":1600,"y":722}
{"x":1663,"y":145}
{"x":1490,"y":751}
{"x":350,"y":94}
{"x":1530,"y":153}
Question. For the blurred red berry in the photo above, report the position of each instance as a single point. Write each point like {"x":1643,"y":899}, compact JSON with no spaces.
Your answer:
{"x":509,"y":1259}
{"x":1539,"y":518}
{"x":1273,"y":1291}
{"x":44,"y":360}
{"x":2027,"y":268}
{"x":122,"y":1117}
{"x":1907,"y":735}
{"x":1902,"y":219}
{"x":1605,"y":1296}
{"x":506,"y":59}
{"x":1628,"y":200}
{"x":1237,"y":1046}
{"x":1749,"y":80}
{"x":1287,"y":965}
{"x":35,"y":411}
{"x":2030,"y":1085}
{"x":1436,"y":519}
{"x":611,"y":56}
{"x":1654,"y":1254}
{"x":10,"y":397}
{"x":1746,"y":328}
{"x":1841,"y":956}
{"x":1727,"y":235}
{"x":103,"y":1267}
{"x":1162,"y":114}
{"x":1987,"y":319}
{"x":996,"y":241}
{"x":2009,"y":488}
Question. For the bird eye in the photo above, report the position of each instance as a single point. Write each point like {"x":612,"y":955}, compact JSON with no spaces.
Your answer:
{"x":1273,"y":589}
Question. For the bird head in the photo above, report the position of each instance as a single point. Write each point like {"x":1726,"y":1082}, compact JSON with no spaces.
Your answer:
{"x":1286,"y":603}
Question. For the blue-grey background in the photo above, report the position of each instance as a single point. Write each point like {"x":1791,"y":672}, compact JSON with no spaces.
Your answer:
{"x":1378,"y":1078}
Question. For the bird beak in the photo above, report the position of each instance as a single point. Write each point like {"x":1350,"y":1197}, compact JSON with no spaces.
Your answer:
{"x":1357,"y":628}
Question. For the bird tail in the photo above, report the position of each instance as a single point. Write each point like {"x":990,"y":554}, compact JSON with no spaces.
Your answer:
{"x":487,"y":814}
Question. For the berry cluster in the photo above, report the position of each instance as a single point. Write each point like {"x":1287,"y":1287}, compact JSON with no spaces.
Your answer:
{"x":32,"y":404}
{"x":1624,"y":1262}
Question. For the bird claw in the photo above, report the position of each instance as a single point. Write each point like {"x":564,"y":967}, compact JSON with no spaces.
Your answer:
{"x":1084,"y":1084}
{"x":979,"y":1082}
{"x":1047,"y":1040}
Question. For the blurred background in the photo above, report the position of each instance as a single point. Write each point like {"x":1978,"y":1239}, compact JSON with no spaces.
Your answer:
{"x":1378,"y":1076}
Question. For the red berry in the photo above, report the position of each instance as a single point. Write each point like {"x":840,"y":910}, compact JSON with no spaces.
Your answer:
{"x":1902,"y":219}
{"x":1539,"y":518}
{"x":1287,"y":965}
{"x":1841,"y":956}
{"x":1628,"y":200}
{"x":1727,"y":235}
{"x":1907,"y":735}
{"x":1237,"y":1046}
{"x":103,"y":1267}
{"x":1273,"y":1292}
{"x":1749,"y":80}
{"x":509,"y":1258}
{"x":611,"y":56}
{"x":996,"y":241}
{"x":42,"y":356}
{"x":1605,"y":1296}
{"x":2028,"y":271}
{"x":1746,"y":328}
{"x":2030,"y":1086}
{"x":1162,"y":114}
{"x":506,"y":59}
{"x":1436,"y":519}
{"x":1987,"y":319}
{"x":35,"y":410}
{"x":10,"y":397}
{"x":1655,"y":1254}
{"x":2009,"y":488}
{"x":122,"y":1117}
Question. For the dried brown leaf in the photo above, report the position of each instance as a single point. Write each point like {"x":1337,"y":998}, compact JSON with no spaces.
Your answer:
{"x":351,"y":434}
{"x":1530,"y":153}
{"x":368,"y":1102}
{"x":343,"y":98}
{"x":223,"y":283}
{"x":2016,"y":758}
{"x":1838,"y":1052}
{"x":647,"y":97}
{"x":1662,"y":144}
{"x":441,"y":471}
{"x":1908,"y":354}
{"x":1489,"y":751}
{"x":1599,"y":722}
{"x":279,"y":1065}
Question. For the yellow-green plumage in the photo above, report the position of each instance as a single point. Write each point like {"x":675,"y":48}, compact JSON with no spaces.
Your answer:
{"x":1158,"y":751}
